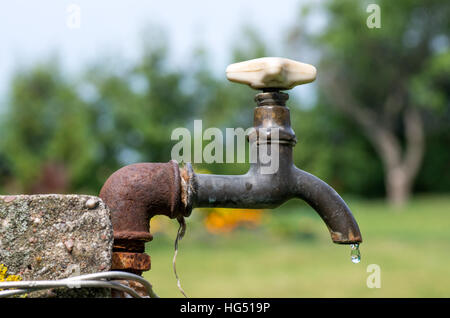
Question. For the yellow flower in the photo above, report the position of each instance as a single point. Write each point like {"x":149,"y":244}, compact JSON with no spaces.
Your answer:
{"x":8,"y":278}
{"x":13,"y":278}
{"x":3,"y":270}
{"x":223,"y":220}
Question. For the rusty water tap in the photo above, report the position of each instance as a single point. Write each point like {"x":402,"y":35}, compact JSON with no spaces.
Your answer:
{"x":137,"y":192}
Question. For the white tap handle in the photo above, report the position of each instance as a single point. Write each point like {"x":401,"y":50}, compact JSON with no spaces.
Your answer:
{"x":271,"y":72}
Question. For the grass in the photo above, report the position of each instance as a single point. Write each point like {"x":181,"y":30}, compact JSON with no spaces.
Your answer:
{"x":291,"y":255}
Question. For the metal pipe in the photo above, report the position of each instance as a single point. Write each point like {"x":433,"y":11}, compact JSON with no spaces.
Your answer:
{"x":253,"y":190}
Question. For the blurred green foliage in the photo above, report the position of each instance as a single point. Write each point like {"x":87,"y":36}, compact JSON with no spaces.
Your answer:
{"x":117,"y":112}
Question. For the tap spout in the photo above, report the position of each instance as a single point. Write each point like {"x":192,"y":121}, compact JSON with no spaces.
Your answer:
{"x":329,"y":205}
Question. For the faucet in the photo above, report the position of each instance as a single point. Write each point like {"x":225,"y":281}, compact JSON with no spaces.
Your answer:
{"x":136,"y":193}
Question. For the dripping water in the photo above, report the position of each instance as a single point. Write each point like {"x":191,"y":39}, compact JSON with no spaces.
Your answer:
{"x":355,"y":253}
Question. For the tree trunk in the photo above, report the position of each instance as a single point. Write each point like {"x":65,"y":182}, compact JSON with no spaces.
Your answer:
{"x":398,"y":186}
{"x":400,"y":165}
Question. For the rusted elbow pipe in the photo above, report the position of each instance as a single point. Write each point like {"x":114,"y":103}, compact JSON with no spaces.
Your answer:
{"x":134,"y":194}
{"x":137,"y":192}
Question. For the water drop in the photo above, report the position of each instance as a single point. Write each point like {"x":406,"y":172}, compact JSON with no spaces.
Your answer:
{"x":355,"y":254}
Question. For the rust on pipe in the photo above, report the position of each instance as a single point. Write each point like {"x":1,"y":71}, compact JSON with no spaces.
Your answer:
{"x":134,"y":194}
{"x":137,"y":192}
{"x":136,"y":262}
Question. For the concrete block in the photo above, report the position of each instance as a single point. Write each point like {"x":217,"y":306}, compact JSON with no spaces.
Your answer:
{"x":55,"y":236}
